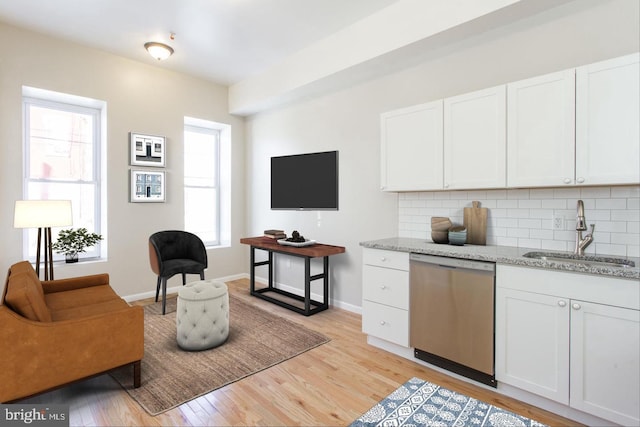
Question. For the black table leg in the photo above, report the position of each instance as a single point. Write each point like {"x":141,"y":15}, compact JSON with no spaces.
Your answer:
{"x":326,"y":280}
{"x":252,"y":272}
{"x":307,"y":286}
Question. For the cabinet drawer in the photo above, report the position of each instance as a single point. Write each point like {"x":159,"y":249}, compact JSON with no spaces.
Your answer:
{"x":388,"y":323}
{"x":384,"y":258}
{"x":386,"y":286}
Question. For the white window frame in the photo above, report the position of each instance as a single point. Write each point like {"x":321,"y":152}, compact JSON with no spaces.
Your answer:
{"x":204,"y":127}
{"x":75,"y":104}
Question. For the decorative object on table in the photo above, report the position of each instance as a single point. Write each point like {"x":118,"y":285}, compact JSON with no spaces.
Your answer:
{"x":72,"y":242}
{"x":296,"y":240}
{"x":475,"y":220}
{"x":440,"y":229}
{"x":257,"y":340}
{"x":43,"y":214}
{"x":147,"y":186}
{"x":285,"y":242}
{"x":147,"y":150}
{"x":418,"y":402}
{"x":275,"y":234}
{"x":457,"y":235}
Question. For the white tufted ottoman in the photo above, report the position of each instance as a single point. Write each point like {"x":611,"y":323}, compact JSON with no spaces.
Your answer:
{"x":202,"y":316}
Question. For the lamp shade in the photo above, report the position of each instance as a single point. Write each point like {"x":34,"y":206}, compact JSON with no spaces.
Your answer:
{"x":160,"y":51}
{"x":42,"y":213}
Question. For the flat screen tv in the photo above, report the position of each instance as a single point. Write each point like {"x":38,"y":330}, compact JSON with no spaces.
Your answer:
{"x":305,"y":181}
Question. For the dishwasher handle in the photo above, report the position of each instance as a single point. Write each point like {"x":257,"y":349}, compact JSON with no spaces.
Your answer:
{"x":453,"y":263}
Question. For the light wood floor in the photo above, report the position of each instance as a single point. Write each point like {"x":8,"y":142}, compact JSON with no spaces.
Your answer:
{"x":331,"y":385}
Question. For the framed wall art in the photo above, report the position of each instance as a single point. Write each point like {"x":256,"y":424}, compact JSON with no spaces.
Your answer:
{"x":147,"y":150}
{"x":147,"y":186}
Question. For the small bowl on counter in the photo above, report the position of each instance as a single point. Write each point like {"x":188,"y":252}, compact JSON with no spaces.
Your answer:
{"x":440,"y":237}
{"x":440,"y":229}
{"x":457,"y":236}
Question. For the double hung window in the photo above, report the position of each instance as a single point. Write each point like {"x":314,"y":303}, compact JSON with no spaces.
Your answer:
{"x":62,"y":137}
{"x":202,"y":183}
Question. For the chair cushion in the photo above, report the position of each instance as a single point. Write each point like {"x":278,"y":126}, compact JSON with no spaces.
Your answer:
{"x":89,"y":310}
{"x":57,"y":301}
{"x":26,"y":267}
{"x":181,"y":265}
{"x":25,"y":296}
{"x":202,"y":290}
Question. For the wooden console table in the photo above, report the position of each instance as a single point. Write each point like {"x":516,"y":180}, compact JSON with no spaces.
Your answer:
{"x":307,"y":252}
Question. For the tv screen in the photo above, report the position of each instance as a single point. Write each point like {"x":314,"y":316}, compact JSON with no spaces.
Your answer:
{"x":305,"y":181}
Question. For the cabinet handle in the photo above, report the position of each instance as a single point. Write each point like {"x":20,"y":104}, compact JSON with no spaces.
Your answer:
{"x":383,"y":287}
{"x":562,"y":303}
{"x":446,"y":186}
{"x":383,"y":259}
{"x":580,"y":180}
{"x":576,"y":306}
{"x":382,"y":323}
{"x":567,"y":180}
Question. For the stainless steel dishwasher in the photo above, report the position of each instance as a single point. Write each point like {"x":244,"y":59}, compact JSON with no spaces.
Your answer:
{"x":452,"y":314}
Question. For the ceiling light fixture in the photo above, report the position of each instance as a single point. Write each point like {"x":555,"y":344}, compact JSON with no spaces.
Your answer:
{"x":160,"y":51}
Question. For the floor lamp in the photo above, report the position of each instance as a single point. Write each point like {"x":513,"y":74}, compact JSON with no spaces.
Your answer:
{"x":43,"y":214}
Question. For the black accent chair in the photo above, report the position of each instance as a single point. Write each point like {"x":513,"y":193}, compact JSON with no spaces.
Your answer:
{"x":172,"y":252}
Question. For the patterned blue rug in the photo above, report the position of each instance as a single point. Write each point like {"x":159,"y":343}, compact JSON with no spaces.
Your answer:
{"x":418,"y":402}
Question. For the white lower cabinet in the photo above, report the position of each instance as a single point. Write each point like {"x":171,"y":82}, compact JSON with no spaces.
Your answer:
{"x":532,"y":343}
{"x":572,"y":338}
{"x":605,"y":378}
{"x":385,"y":293}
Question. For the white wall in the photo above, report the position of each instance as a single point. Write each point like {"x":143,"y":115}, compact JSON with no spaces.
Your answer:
{"x":140,"y":97}
{"x":348,"y":120}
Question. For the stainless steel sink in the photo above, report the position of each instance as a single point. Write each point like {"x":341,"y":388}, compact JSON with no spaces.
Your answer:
{"x":595,"y":261}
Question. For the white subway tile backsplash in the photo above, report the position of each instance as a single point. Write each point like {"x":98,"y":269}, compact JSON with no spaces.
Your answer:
{"x":544,"y":193}
{"x":554,"y":204}
{"x":523,"y":217}
{"x":530,"y":204}
{"x":631,"y":192}
{"x":626,"y":215}
{"x":596,"y":193}
{"x":566,"y":193}
{"x":611,"y":204}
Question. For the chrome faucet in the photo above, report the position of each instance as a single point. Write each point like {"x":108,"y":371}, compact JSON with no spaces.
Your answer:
{"x":581,"y":225}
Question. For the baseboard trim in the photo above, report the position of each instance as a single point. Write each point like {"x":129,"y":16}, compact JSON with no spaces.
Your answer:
{"x":174,"y":290}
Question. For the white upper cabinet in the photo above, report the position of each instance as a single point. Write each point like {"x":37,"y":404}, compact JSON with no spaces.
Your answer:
{"x":573,"y":127}
{"x":607,"y":122}
{"x":474,"y":140}
{"x":411,"y":148}
{"x":540,"y":130}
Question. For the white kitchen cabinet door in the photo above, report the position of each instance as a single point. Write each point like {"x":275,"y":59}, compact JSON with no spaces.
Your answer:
{"x":541,"y":131}
{"x":411,"y":148}
{"x":605,"y":349}
{"x":608,"y":122}
{"x":532,"y":343}
{"x":475,"y":140}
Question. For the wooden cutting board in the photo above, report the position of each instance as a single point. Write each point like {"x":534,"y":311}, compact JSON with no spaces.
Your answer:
{"x":475,"y":220}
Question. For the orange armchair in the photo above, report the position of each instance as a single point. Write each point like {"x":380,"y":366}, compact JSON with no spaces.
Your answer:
{"x":56,"y":332}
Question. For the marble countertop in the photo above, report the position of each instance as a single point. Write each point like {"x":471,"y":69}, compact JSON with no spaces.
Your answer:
{"x":500,"y":254}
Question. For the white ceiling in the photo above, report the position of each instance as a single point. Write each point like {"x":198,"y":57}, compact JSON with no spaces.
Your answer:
{"x":225,"y":41}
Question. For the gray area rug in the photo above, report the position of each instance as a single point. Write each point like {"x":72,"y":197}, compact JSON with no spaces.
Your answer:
{"x":418,"y":402}
{"x":170,"y":376}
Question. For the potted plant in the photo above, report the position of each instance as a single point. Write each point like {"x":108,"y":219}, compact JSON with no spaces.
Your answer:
{"x":71,"y":242}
